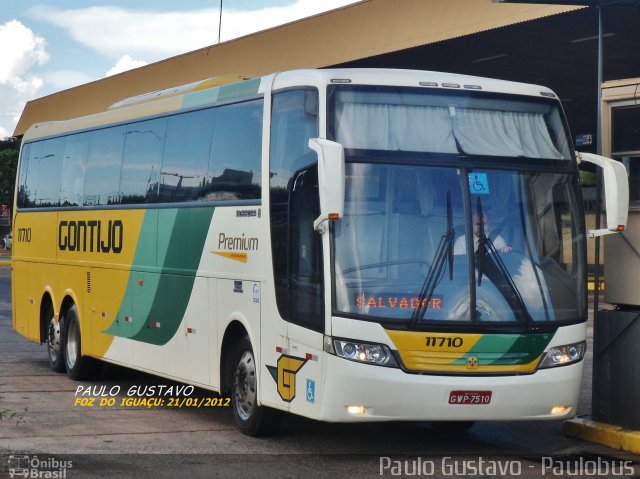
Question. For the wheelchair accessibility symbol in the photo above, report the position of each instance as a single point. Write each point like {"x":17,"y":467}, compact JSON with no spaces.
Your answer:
{"x":311,"y":391}
{"x":479,"y":183}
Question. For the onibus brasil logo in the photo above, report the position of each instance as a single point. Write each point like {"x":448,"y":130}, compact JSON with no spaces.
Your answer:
{"x":22,"y":465}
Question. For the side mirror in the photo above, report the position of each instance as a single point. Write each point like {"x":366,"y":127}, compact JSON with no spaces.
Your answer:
{"x":616,"y":190}
{"x":330,"y":180}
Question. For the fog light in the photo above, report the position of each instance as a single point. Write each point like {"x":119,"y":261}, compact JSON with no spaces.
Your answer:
{"x":356,"y":410}
{"x":560,"y":410}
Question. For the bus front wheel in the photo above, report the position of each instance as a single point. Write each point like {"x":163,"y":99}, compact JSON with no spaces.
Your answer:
{"x":252,"y":419}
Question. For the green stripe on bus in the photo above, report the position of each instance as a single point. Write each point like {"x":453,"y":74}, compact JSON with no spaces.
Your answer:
{"x":127,"y":321}
{"x":159,"y":304}
{"x":507,"y":349}
{"x":225,"y":93}
{"x":238,"y":90}
{"x":183,"y":254}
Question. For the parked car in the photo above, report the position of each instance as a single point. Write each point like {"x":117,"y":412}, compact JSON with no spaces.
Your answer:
{"x":7,"y":241}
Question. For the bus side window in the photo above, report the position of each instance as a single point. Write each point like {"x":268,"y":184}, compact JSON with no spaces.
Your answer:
{"x":236,"y":152}
{"x":23,"y":192}
{"x":305,"y":253}
{"x":141,"y":161}
{"x":74,"y":164}
{"x":102,"y":180}
{"x":32,"y":173}
{"x":296,"y":260}
{"x":185,"y":158}
{"x":46,"y":186}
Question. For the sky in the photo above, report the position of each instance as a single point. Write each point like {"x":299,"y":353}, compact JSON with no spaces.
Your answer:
{"x":49,"y":46}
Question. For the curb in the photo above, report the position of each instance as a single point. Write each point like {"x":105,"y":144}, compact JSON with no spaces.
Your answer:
{"x":610,"y":435}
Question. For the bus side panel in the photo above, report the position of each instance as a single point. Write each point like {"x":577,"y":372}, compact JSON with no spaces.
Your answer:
{"x":307,"y":346}
{"x":103,"y":300}
{"x":102,"y":243}
{"x":211,"y":320}
{"x":37,"y":236}
{"x":25,"y":310}
{"x":186,"y":354}
{"x":275,"y":347}
{"x":66,"y":281}
{"x":240,"y":301}
{"x":34,"y":243}
{"x":170,"y":303}
{"x":201,"y":333}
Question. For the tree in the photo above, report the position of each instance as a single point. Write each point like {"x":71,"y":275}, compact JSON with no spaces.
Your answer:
{"x":9,"y":150}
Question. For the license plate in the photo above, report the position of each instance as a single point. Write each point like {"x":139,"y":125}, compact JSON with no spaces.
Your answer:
{"x":470,"y":397}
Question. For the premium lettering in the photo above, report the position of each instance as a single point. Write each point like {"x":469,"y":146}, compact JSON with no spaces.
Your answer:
{"x":237,"y":243}
{"x":93,"y":236}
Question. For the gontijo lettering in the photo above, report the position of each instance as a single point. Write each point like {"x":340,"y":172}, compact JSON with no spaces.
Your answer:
{"x":93,"y":236}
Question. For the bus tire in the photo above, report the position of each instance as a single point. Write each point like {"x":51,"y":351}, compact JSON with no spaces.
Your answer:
{"x":252,"y":419}
{"x":78,"y":366}
{"x":55,"y":350}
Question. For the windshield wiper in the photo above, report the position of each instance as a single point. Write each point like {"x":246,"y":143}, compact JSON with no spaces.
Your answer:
{"x":487,"y":248}
{"x":434,"y":275}
{"x":482,"y":240}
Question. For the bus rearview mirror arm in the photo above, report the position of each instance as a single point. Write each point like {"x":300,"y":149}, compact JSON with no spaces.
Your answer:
{"x":331,"y":173}
{"x":616,"y":190}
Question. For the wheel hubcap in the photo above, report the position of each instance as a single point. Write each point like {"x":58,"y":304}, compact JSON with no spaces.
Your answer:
{"x":245,"y":386}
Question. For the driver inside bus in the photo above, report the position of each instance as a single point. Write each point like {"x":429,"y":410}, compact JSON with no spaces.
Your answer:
{"x":460,"y":246}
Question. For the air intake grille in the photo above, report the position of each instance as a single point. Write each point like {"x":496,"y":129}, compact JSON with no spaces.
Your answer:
{"x":88,"y":281}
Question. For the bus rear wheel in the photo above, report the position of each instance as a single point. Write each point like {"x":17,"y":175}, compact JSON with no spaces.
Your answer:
{"x":55,"y":350}
{"x":78,"y":366}
{"x":252,"y":419}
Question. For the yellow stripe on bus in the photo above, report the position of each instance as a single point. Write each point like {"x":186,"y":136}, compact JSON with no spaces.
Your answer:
{"x":90,"y":260}
{"x":446,"y":352}
{"x":436,"y":342}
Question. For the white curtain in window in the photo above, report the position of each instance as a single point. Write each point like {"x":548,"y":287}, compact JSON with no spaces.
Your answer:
{"x":435,"y":129}
{"x":395,"y":127}
{"x":503,"y":133}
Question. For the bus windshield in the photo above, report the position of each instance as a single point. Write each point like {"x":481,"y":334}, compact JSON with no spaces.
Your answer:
{"x":444,"y":225}
{"x":448,"y":122}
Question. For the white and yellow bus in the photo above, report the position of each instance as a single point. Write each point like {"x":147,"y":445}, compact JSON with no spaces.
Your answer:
{"x":301,"y":242}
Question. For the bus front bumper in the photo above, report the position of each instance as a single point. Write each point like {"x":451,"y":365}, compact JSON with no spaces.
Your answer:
{"x":355,"y":392}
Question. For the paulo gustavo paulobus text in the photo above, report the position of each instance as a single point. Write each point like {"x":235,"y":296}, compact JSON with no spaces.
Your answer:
{"x":144,"y":396}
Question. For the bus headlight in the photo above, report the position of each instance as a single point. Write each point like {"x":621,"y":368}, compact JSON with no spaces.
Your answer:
{"x":564,"y":355}
{"x":364,"y":352}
